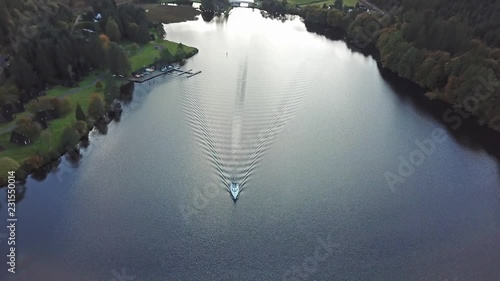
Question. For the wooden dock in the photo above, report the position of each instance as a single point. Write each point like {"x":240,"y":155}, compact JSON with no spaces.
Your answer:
{"x":189,"y":73}
{"x":193,"y":74}
{"x":143,"y":79}
{"x":156,"y":73}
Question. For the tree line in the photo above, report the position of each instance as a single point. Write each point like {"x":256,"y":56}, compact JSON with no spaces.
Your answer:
{"x":47,"y":46}
{"x":54,"y":55}
{"x":481,"y":17}
{"x":448,"y":47}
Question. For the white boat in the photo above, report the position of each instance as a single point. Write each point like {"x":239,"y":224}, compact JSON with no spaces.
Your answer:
{"x":235,"y":190}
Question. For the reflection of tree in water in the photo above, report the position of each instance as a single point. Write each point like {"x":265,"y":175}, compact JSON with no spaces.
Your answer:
{"x":207,"y":16}
{"x":102,"y":126}
{"x":73,"y":158}
{"x":85,"y":142}
{"x":126,"y":92}
{"x":283,"y":17}
{"x":20,"y":192}
{"x":41,"y":174}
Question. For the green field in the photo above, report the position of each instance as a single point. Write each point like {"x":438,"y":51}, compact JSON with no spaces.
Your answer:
{"x":50,"y":138}
{"x":60,"y":90}
{"x":77,"y":95}
{"x":148,"y":53}
{"x":321,"y":2}
{"x":168,"y":14}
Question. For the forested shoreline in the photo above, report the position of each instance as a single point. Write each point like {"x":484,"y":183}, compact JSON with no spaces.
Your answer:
{"x":451,"y":48}
{"x":61,"y":72}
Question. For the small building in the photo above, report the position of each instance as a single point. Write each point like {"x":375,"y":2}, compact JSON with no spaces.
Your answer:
{"x":348,"y":9}
{"x":44,"y":116}
{"x":116,"y":106}
{"x":20,"y":138}
{"x":361,"y":7}
{"x":32,"y":94}
{"x":2,"y":148}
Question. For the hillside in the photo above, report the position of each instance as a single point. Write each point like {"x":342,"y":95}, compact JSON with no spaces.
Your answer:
{"x":20,"y":20}
{"x":448,"y":47}
{"x":482,"y":17}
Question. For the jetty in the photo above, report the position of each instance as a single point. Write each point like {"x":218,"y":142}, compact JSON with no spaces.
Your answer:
{"x":189,"y":73}
{"x":157,"y":72}
{"x":193,"y":74}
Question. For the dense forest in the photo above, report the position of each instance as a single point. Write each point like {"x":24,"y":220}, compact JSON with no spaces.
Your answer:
{"x":44,"y":45}
{"x":481,"y":17}
{"x":214,"y":5}
{"x":448,"y":47}
{"x":45,"y":48}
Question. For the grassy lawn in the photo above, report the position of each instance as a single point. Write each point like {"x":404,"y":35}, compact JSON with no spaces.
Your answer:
{"x":321,"y":2}
{"x":52,"y":135}
{"x":169,"y":14}
{"x":5,"y":125}
{"x":56,"y":127}
{"x":147,"y":54}
{"x":58,"y":91}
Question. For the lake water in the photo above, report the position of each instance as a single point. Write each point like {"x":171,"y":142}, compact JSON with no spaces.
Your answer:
{"x":309,"y":128}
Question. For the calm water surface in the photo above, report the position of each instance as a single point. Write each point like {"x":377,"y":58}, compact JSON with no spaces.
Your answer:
{"x":308,"y":127}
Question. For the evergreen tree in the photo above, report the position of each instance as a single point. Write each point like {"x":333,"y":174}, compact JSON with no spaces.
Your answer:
{"x":79,"y":114}
{"x":339,"y":4}
{"x":69,"y":138}
{"x":166,"y":56}
{"x":180,"y":53}
{"x":96,"y":107}
{"x":111,"y":91}
{"x":112,"y":30}
{"x":118,"y":61}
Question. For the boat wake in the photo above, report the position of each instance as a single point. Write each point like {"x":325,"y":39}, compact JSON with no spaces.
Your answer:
{"x":236,"y":124}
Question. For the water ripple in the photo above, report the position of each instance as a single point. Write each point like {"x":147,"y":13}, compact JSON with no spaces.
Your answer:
{"x":235,"y":125}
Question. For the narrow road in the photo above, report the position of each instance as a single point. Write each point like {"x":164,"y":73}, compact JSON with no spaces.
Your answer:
{"x":8,"y":129}
{"x":76,"y":22}
{"x":372,"y":6}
